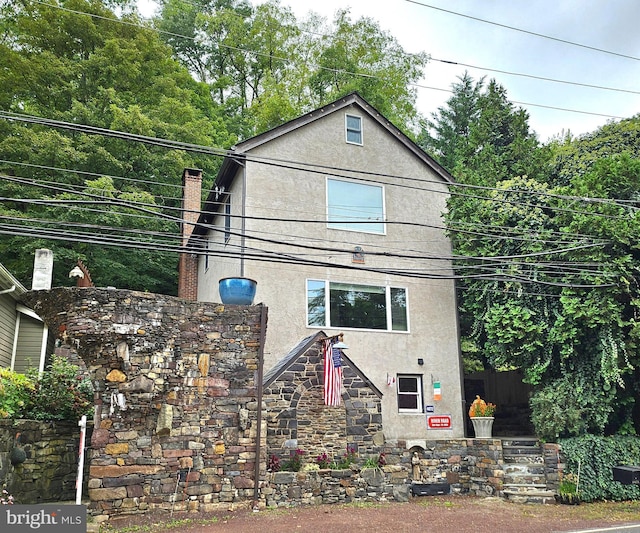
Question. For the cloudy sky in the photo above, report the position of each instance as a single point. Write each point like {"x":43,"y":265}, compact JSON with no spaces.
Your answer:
{"x":504,"y":40}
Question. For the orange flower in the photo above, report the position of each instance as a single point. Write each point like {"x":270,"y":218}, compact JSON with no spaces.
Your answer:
{"x":481,"y":408}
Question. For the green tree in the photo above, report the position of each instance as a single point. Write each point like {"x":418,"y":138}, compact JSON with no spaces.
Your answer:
{"x":57,"y":61}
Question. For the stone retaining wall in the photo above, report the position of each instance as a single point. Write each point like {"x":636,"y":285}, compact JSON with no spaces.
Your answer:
{"x":39,"y":460}
{"x":467,"y":466}
{"x":176,"y":396}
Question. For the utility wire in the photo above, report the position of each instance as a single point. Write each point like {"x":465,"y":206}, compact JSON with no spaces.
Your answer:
{"x":528,"y":32}
{"x":352,"y":174}
{"x":343,"y":71}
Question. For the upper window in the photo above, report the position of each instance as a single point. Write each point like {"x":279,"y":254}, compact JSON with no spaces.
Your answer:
{"x":347,"y":305}
{"x":409,"y":394}
{"x":355,"y":206}
{"x":353,"y":125}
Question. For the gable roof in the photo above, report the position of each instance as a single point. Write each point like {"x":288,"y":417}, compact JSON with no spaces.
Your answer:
{"x":283,"y":364}
{"x":238,"y":153}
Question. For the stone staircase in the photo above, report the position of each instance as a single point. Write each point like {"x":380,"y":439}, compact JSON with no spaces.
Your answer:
{"x":525,"y":480}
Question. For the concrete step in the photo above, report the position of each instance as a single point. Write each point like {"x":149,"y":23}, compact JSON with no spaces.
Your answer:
{"x":538,"y":495}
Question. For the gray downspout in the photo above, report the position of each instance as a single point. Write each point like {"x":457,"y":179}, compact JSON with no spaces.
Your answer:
{"x":256,"y":474}
{"x":243,"y":221}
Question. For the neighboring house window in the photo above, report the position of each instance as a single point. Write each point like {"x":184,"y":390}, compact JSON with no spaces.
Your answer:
{"x":355,"y":206}
{"x":353,"y":125}
{"x":348,"y":305}
{"x":227,"y":220}
{"x":409,"y":393}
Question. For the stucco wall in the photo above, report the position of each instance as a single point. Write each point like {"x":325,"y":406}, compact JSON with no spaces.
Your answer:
{"x":414,"y":194}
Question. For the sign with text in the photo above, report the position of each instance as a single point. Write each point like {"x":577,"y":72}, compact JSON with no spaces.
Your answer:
{"x":439,"y":422}
{"x":49,"y":518}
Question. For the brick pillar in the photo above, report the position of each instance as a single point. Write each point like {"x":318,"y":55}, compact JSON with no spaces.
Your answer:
{"x":188,"y":265}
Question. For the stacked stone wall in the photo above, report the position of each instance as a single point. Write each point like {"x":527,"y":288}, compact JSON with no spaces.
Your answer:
{"x":39,"y":460}
{"x":298,"y":419}
{"x":464,"y":466}
{"x":176,"y":396}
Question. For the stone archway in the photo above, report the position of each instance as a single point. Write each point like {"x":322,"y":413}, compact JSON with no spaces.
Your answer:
{"x":321,"y":428}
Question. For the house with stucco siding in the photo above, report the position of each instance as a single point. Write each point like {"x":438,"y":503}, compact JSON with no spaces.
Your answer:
{"x":338,"y":217}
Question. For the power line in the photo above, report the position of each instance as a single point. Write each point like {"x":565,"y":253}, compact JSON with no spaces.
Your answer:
{"x":311,"y":167}
{"x":541,"y":78}
{"x":357,"y":74}
{"x":528,"y":32}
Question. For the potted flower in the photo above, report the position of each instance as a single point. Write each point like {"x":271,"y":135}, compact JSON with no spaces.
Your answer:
{"x":481,"y":414}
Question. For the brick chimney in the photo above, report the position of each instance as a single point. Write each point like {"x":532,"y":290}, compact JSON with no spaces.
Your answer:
{"x":188,"y":265}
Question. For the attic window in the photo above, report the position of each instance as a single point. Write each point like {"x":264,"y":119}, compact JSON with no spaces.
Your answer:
{"x":353,"y":126}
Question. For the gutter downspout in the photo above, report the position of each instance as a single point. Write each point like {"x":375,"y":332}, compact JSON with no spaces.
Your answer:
{"x":243,"y":222}
{"x":256,"y":474}
{"x":7,"y":291}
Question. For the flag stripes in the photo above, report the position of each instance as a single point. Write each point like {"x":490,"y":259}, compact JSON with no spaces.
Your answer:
{"x":332,"y":373}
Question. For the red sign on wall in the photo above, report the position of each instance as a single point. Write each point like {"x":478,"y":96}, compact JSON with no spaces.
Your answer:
{"x":439,"y":422}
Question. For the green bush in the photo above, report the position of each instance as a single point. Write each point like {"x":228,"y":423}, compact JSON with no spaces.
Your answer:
{"x":15,"y":392}
{"x":59,"y":393}
{"x":570,"y":406}
{"x":596,"y":457}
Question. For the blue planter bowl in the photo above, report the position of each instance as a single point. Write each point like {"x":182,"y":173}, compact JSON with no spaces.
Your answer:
{"x":237,"y":291}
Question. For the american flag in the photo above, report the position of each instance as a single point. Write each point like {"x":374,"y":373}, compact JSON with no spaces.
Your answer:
{"x":332,"y":373}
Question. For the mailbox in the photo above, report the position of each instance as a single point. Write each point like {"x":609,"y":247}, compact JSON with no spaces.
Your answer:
{"x":627,"y":475}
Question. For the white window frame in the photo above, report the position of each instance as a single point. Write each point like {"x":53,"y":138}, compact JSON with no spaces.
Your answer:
{"x":325,"y":312}
{"x":358,"y":131}
{"x":340,"y":214}
{"x":419,"y":393}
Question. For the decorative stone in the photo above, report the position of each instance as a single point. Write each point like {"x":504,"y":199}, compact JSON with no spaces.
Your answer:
{"x":165,"y":420}
{"x":116,"y":376}
{"x":138,"y":384}
{"x":116,"y":449}
{"x":203,"y":364}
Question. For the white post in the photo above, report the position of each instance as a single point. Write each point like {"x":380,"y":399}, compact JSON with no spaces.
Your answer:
{"x":83,"y":430}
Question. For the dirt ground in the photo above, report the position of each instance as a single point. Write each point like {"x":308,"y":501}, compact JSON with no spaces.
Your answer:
{"x":442,"y":514}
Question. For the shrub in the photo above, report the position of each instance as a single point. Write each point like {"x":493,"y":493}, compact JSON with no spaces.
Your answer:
{"x":323,"y":460}
{"x":294,"y":464}
{"x":350,"y":456}
{"x":61,"y":393}
{"x":15,"y":393}
{"x":274,"y":463}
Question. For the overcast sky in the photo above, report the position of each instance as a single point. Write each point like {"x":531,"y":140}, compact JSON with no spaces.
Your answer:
{"x":439,"y":28}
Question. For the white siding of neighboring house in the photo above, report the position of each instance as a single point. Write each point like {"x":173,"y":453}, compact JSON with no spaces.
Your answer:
{"x":8,"y":317}
{"x":277,"y":192}
{"x":29,"y":346}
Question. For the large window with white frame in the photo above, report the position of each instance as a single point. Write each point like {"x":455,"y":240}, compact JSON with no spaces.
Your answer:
{"x":350,"y":305}
{"x":409,"y":393}
{"x":353,"y":129}
{"x":355,"y":206}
